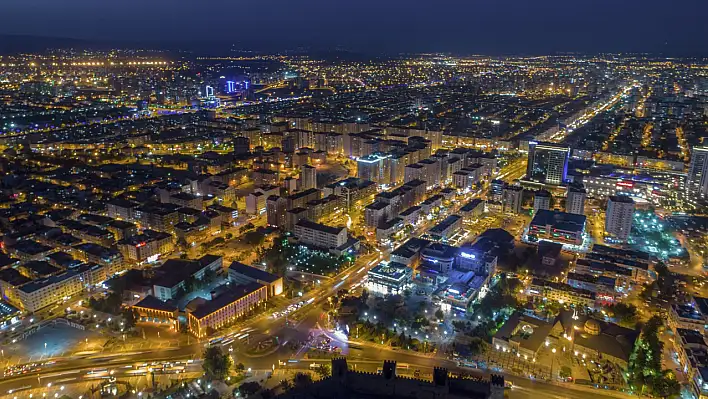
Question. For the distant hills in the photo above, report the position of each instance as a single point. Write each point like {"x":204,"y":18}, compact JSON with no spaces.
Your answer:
{"x":13,"y":44}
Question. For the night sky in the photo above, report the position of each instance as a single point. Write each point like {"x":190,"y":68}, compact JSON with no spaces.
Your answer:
{"x":674,"y":27}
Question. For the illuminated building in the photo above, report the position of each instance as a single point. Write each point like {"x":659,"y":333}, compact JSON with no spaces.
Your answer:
{"x":39,"y":294}
{"x":635,"y":261}
{"x":324,"y":208}
{"x":512,"y":199}
{"x":352,"y":189}
{"x":603,"y":286}
{"x":308,"y":177}
{"x":157,"y":216}
{"x":147,"y":246}
{"x":692,"y":355}
{"x":547,"y":163}
{"x":389,"y":228}
{"x":170,"y":278}
{"x":187,"y":200}
{"x":241,"y":274}
{"x":276,"y":208}
{"x":230,"y":86}
{"x":374,"y":167}
{"x":257,"y":200}
{"x":320,"y":235}
{"x":389,"y":278}
{"x":209,"y":316}
{"x":377,"y":213}
{"x":541,"y":200}
{"x":560,"y":292}
{"x":447,"y":228}
{"x":209,"y":91}
{"x":121,"y":209}
{"x":619,"y":217}
{"x":151,"y":309}
{"x":27,"y":250}
{"x":575,"y":200}
{"x":567,"y":228}
{"x":697,"y":178}
{"x":301,"y":198}
{"x":109,"y":257}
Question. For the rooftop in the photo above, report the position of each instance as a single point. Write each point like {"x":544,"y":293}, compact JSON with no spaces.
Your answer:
{"x":225,"y":299}
{"x":559,"y":220}
{"x":625,"y":199}
{"x":321,"y":227}
{"x":150,"y":302}
{"x":252,"y":272}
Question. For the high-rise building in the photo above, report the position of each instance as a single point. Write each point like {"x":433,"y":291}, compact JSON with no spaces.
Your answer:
{"x":496,"y":190}
{"x":548,"y":163}
{"x":374,"y":167}
{"x":541,"y":200}
{"x":618,"y":220}
{"x":276,"y":211}
{"x":209,"y":92}
{"x":308,"y":177}
{"x":288,"y":143}
{"x":575,"y":200}
{"x":512,"y":199}
{"x":697,"y":178}
{"x":242,"y":145}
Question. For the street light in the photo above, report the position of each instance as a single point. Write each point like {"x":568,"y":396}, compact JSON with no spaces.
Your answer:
{"x":553,"y":360}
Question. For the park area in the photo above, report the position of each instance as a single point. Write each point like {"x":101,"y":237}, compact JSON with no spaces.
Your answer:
{"x":651,"y":234}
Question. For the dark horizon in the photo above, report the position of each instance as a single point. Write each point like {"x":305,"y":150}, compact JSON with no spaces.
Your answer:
{"x":392,"y":26}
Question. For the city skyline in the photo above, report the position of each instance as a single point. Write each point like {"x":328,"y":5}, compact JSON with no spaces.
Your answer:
{"x":394,"y":26}
{"x":283,"y":199}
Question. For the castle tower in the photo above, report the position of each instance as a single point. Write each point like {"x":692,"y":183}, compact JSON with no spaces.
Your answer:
{"x":389,"y":369}
{"x":440,"y":376}
{"x":496,"y":386}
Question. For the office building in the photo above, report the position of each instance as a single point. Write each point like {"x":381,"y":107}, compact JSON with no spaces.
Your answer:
{"x":170,"y":278}
{"x":619,"y":216}
{"x":547,"y":163}
{"x":209,"y":316}
{"x":697,"y":178}
{"x":557,"y":226}
{"x":575,"y":200}
{"x":151,"y":309}
{"x":389,"y":278}
{"x":241,"y":274}
{"x":308,"y":177}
